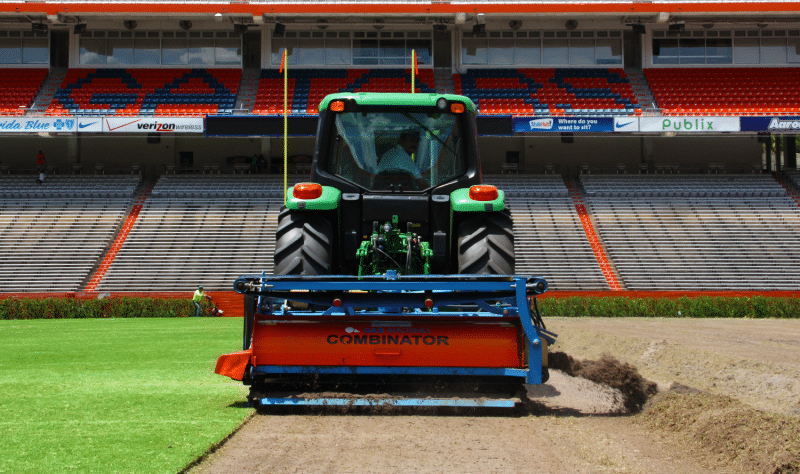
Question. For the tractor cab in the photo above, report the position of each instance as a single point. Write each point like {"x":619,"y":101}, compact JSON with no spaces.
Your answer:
{"x":396,"y":143}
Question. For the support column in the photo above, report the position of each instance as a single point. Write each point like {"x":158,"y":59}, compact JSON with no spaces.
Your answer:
{"x":74,"y":149}
{"x":266,"y":152}
{"x":791,"y":151}
{"x":768,"y":152}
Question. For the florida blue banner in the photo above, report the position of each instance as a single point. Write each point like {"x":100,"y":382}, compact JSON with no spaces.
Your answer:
{"x":26,"y":124}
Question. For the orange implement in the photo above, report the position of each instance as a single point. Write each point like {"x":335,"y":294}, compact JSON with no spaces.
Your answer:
{"x":233,"y":365}
{"x":420,"y":344}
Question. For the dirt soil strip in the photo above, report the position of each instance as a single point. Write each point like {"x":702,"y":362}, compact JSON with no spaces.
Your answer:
{"x":755,"y":361}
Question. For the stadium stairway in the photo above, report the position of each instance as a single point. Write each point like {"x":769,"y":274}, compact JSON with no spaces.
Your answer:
{"x":198,"y":229}
{"x":594,"y":240}
{"x":112,"y":252}
{"x":443,"y":76}
{"x":549,"y":237}
{"x":700,"y":232}
{"x":644,"y":95}
{"x":52,"y":235}
{"x":248,"y":91}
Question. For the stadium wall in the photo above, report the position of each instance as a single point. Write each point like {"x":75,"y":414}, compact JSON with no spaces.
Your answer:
{"x":602,"y":152}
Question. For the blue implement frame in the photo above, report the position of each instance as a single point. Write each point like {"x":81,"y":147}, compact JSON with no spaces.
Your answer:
{"x":393,"y":297}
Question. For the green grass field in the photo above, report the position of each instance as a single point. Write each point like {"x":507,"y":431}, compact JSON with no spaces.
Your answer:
{"x":115,"y":395}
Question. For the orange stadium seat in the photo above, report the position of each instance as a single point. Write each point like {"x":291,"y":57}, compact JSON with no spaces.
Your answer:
{"x":726,"y":91}
{"x":307,"y":87}
{"x":143,"y":91}
{"x":18,"y":88}
{"x":549,"y":91}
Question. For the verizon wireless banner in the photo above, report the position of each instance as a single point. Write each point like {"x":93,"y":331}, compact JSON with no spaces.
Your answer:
{"x":153,"y":125}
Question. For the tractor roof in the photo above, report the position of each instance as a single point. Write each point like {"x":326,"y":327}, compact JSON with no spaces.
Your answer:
{"x":396,"y":99}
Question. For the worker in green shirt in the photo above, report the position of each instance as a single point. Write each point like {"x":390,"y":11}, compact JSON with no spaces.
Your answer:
{"x":196,"y":299}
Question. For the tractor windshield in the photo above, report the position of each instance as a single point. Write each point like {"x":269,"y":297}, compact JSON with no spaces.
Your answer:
{"x":396,"y":151}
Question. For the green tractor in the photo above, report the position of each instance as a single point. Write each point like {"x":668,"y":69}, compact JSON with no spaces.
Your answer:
{"x":394,"y":271}
{"x":396,"y":186}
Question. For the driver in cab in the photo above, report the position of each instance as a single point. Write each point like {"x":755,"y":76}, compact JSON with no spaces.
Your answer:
{"x":398,"y":159}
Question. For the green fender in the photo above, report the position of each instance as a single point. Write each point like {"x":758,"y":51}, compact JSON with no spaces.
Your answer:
{"x":461,"y":202}
{"x":327,"y":201}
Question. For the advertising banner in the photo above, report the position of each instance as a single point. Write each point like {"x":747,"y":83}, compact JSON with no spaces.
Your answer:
{"x":153,"y":125}
{"x":90,"y":124}
{"x":689,"y":124}
{"x":770,"y":124}
{"x":37,"y":124}
{"x":575,"y":124}
{"x":626,"y":124}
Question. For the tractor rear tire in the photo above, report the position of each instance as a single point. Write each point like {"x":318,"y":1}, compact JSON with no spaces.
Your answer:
{"x":303,"y":244}
{"x":486,"y":245}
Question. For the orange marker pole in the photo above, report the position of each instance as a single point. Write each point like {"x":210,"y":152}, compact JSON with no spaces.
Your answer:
{"x":414,"y":70}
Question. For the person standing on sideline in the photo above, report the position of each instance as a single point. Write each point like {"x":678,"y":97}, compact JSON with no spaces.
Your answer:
{"x":40,"y":162}
{"x":196,"y":299}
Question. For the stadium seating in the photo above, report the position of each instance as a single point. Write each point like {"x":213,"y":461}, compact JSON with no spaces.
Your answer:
{"x":726,"y":91}
{"x":53,"y":235}
{"x":549,"y":239}
{"x":793,"y":176}
{"x":660,"y":232}
{"x":549,"y":92}
{"x":699,"y":232}
{"x":18,"y":88}
{"x":307,"y":87}
{"x":163,"y":92}
{"x":69,"y":186}
{"x":199,"y":230}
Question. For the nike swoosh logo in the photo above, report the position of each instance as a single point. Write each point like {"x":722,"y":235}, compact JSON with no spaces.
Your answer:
{"x":84,"y":125}
{"x":623,"y":124}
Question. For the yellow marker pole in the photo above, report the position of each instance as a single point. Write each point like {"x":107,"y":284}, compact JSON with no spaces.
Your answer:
{"x":285,"y":69}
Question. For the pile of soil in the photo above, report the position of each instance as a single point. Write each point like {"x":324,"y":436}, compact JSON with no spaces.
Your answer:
{"x":608,"y":371}
{"x":733,"y":432}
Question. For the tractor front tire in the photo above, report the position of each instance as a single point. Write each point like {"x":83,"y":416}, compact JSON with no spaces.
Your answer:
{"x":486,"y":245}
{"x":303,"y":244}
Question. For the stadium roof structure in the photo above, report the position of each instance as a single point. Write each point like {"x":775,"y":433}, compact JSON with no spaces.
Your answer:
{"x":656,"y":9}
{"x":403,"y":12}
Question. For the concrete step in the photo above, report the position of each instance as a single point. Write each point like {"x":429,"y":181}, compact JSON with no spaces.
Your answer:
{"x":248,"y":90}
{"x":45,"y":96}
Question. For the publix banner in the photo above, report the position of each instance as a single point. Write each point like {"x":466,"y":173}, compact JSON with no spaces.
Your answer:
{"x":37,"y":124}
{"x":575,"y":124}
{"x":771,"y":124}
{"x":153,"y":125}
{"x":689,"y":124}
